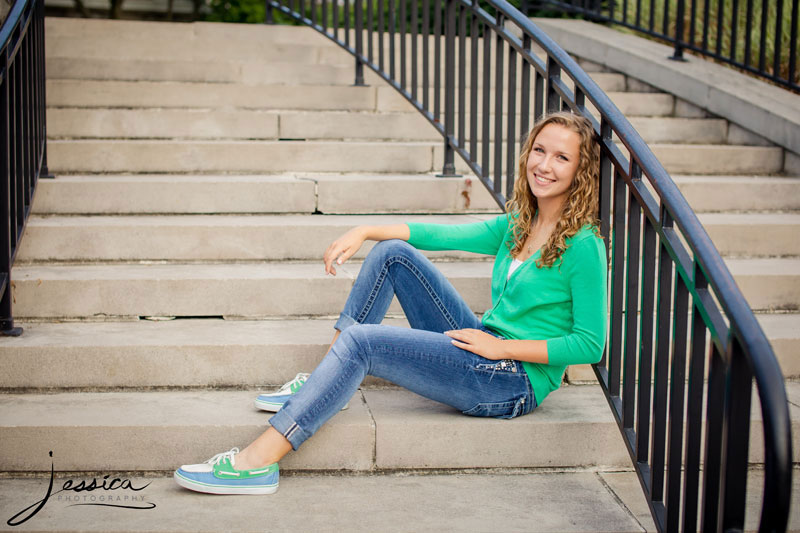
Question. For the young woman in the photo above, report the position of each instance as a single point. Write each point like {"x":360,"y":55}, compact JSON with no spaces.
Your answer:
{"x":548,"y":311}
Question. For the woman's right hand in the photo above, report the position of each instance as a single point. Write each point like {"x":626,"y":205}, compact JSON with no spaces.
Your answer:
{"x":343,"y":248}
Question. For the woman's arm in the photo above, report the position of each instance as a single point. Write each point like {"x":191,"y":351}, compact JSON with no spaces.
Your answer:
{"x":348,"y":244}
{"x":488,"y":346}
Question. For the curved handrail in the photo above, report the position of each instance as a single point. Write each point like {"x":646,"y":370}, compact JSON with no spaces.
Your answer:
{"x":23,"y":147}
{"x":739,"y":350}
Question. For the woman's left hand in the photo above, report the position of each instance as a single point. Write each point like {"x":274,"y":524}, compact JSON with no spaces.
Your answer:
{"x":478,"y":342}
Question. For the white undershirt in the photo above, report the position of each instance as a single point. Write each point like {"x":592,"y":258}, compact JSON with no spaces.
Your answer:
{"x":515,"y":264}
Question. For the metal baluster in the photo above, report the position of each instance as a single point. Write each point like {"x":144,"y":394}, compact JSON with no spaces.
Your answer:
{"x":6,"y":318}
{"x":694,"y":408}
{"x":706,"y":16}
{"x":720,"y":17}
{"x":631,"y":340}
{"x":672,"y":501}
{"x":525,"y":95}
{"x":776,"y":68}
{"x":359,"y":30}
{"x":392,"y":29}
{"x":712,"y":461}
{"x":617,"y":285}
{"x":678,"y":53}
{"x":414,"y":27}
{"x":473,"y":85}
{"x":448,"y":168}
{"x":793,"y":44}
{"x":403,"y":42}
{"x":647,"y":329}
{"x":511,"y":122}
{"x":346,"y":16}
{"x":437,"y":58}
{"x":762,"y":51}
{"x":661,"y":374}
{"x":735,"y":438}
{"x":748,"y":28}
{"x":734,"y":21}
{"x":486,"y":94}
{"x":498,"y":110}
{"x":381,"y":53}
{"x":370,"y":31}
{"x":553,"y":73}
{"x":462,"y":76}
{"x":426,"y":21}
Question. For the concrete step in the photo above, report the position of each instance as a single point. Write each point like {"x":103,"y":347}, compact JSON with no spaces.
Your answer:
{"x":239,"y":156}
{"x":192,"y":290}
{"x":608,"y":501}
{"x":743,"y":234}
{"x":740,"y":193}
{"x":241,"y":289}
{"x":251,"y":124}
{"x":201,"y":237}
{"x":143,"y":156}
{"x":103,"y":31}
{"x":300,"y":66}
{"x":383,"y":429}
{"x":162,"y":430}
{"x":305,"y":237}
{"x":219,"y":353}
{"x":135,"y":94}
{"x":353,"y":193}
{"x":693,"y":158}
{"x":290,"y":193}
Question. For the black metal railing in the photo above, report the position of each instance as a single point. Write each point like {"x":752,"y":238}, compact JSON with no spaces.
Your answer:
{"x":23,"y":148}
{"x":758,"y":37}
{"x":481,"y":76}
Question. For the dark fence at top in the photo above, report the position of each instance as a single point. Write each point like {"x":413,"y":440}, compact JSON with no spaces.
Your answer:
{"x":481,"y":77}
{"x":758,"y":37}
{"x":23,"y":157}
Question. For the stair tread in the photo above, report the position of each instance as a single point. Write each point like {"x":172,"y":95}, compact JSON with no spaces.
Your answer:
{"x":344,"y":220}
{"x":338,"y":504}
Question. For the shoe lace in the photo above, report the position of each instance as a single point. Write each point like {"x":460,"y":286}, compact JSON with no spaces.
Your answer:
{"x":217,"y":459}
{"x":299,"y":379}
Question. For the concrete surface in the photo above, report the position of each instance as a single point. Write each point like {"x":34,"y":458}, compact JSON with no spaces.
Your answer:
{"x":531,"y":502}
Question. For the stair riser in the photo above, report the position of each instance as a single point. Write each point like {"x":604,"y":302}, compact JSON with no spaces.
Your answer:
{"x":267,"y":156}
{"x":343,"y":194}
{"x":93,"y":93}
{"x":212,"y":242}
{"x":253,"y":71}
{"x":688,"y":159}
{"x":208,"y":353}
{"x":244,"y":156}
{"x":269,"y":239}
{"x":51,"y":298}
{"x":73,"y":93}
{"x":230,"y":194}
{"x":240,"y":124}
{"x":295,"y":296}
{"x":755,"y":195}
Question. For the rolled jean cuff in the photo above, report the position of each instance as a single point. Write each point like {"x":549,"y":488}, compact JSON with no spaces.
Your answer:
{"x":290,"y":429}
{"x":344,"y":322}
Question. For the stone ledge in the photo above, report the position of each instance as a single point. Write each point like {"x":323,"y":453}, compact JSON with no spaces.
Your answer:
{"x":767,"y":110}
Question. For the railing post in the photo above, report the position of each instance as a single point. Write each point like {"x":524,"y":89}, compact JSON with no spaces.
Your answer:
{"x":449,"y":168}
{"x":268,"y":13}
{"x":553,"y":99}
{"x":359,"y":5}
{"x":678,"y":53}
{"x":6,"y":318}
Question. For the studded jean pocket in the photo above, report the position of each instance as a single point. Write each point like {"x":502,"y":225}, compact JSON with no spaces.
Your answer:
{"x":509,"y":409}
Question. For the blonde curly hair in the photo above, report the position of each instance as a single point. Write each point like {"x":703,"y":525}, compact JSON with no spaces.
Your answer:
{"x":581,"y":206}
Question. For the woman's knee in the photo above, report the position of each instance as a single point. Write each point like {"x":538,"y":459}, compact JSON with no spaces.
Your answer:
{"x":353,"y":343}
{"x":391,"y":248}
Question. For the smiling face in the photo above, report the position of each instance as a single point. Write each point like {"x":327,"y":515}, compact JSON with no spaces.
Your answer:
{"x":552,"y":163}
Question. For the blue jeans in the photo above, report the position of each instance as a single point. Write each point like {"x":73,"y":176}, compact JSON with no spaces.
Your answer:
{"x":421,"y":359}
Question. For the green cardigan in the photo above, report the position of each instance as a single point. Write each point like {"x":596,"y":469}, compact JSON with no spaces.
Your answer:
{"x":564,"y":304}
